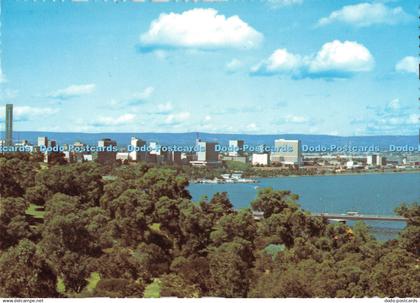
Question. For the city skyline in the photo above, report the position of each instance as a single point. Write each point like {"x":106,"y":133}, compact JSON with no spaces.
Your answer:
{"x":285,"y":67}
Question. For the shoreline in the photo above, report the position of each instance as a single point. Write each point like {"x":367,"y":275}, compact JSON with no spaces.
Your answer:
{"x":253,"y":178}
{"x":416,"y":171}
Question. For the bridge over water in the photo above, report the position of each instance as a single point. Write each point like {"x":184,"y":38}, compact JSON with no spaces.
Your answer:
{"x":346,"y":217}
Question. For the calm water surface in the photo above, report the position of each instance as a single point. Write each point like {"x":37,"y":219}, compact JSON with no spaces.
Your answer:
{"x":365,"y":193}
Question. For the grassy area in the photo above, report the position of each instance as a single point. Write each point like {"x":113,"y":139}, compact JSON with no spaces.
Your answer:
{"x":153,"y":289}
{"x":90,"y":287}
{"x":35,"y":211}
{"x":61,"y":288}
{"x":274,"y":249}
{"x":155,"y":226}
{"x":93,"y":281}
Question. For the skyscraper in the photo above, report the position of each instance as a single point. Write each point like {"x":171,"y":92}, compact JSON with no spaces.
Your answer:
{"x":287,"y":152}
{"x":9,"y":125}
{"x":236,"y":148}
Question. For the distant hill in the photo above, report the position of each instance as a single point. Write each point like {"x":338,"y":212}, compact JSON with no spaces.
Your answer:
{"x":189,"y":138}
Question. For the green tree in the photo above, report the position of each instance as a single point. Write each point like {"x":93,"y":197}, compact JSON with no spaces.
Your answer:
{"x":132,"y":213}
{"x":82,"y":180}
{"x":163,"y":182}
{"x":173,"y":285}
{"x":218,"y":206}
{"x":230,"y":275}
{"x":26,"y":273}
{"x":119,"y":288}
{"x":410,"y":235}
{"x":194,"y":270}
{"x":15,"y":176}
{"x":271,"y":202}
{"x":13,"y":226}
{"x":395,"y":275}
{"x":72,"y":238}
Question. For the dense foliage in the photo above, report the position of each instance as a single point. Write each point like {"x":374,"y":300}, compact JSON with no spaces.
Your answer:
{"x":137,"y":226}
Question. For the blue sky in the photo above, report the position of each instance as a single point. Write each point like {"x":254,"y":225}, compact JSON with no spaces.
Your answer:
{"x":280,"y":66}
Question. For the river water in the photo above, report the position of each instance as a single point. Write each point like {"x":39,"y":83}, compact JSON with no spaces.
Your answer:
{"x":366,"y":193}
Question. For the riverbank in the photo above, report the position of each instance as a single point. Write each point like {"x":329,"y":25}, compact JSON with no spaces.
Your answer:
{"x":347,"y":173}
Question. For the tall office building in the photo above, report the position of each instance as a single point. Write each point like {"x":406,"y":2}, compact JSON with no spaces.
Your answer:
{"x":136,"y":154}
{"x":9,"y":125}
{"x":236,"y":148}
{"x":206,"y":154}
{"x":287,"y":152}
{"x":108,"y":153}
{"x":42,"y":141}
{"x":375,"y":160}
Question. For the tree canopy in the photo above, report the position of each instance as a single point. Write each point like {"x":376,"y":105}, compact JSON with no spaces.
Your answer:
{"x":133,"y":226}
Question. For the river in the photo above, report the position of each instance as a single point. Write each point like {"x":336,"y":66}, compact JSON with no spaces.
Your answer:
{"x":366,"y":193}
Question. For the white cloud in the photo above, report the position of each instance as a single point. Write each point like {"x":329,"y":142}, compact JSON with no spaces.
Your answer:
{"x":233,"y":65}
{"x":366,"y":14}
{"x":199,"y":28}
{"x":281,"y":61}
{"x":334,"y":60}
{"x":145,"y":94}
{"x":252,"y":127}
{"x":347,"y":56}
{"x":177,"y":118}
{"x":207,"y":118}
{"x":283,"y":3}
{"x":73,"y":91}
{"x":114,"y":121}
{"x":296,"y":119}
{"x":134,"y":99}
{"x":165,"y":108}
{"x":7,"y":94}
{"x":392,"y":118}
{"x":408,"y":64}
{"x":394,"y":105}
{"x":26,"y":113}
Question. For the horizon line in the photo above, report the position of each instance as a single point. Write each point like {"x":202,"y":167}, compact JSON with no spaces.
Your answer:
{"x":210,"y":133}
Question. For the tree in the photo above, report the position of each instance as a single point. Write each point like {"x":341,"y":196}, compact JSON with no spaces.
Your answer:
{"x":410,"y":235}
{"x":218,"y":206}
{"x":132,"y":213}
{"x":72,"y":237}
{"x":13,"y":226}
{"x":15,"y":176}
{"x":26,"y":273}
{"x":119,"y":288}
{"x":194,"y":270}
{"x":395,"y":275}
{"x":173,"y":285}
{"x":83,"y":180}
{"x":271,"y":202}
{"x":229,"y":274}
{"x":163,"y":182}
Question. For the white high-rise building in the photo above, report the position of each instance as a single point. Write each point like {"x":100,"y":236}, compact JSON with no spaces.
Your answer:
{"x":375,"y":160}
{"x":137,"y":155}
{"x":261,"y":159}
{"x":206,"y":154}
{"x":236,"y":148}
{"x":287,"y":152}
{"x":42,"y":141}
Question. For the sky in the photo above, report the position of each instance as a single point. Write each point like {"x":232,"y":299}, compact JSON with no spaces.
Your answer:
{"x":277,"y":66}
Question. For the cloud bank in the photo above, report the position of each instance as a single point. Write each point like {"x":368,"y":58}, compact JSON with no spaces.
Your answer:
{"x":408,"y":64}
{"x":366,"y":14}
{"x":335,"y":59}
{"x":201,"y":29}
{"x":73,"y":91}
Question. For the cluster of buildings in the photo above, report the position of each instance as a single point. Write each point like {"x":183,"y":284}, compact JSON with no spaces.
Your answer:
{"x":283,"y":153}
